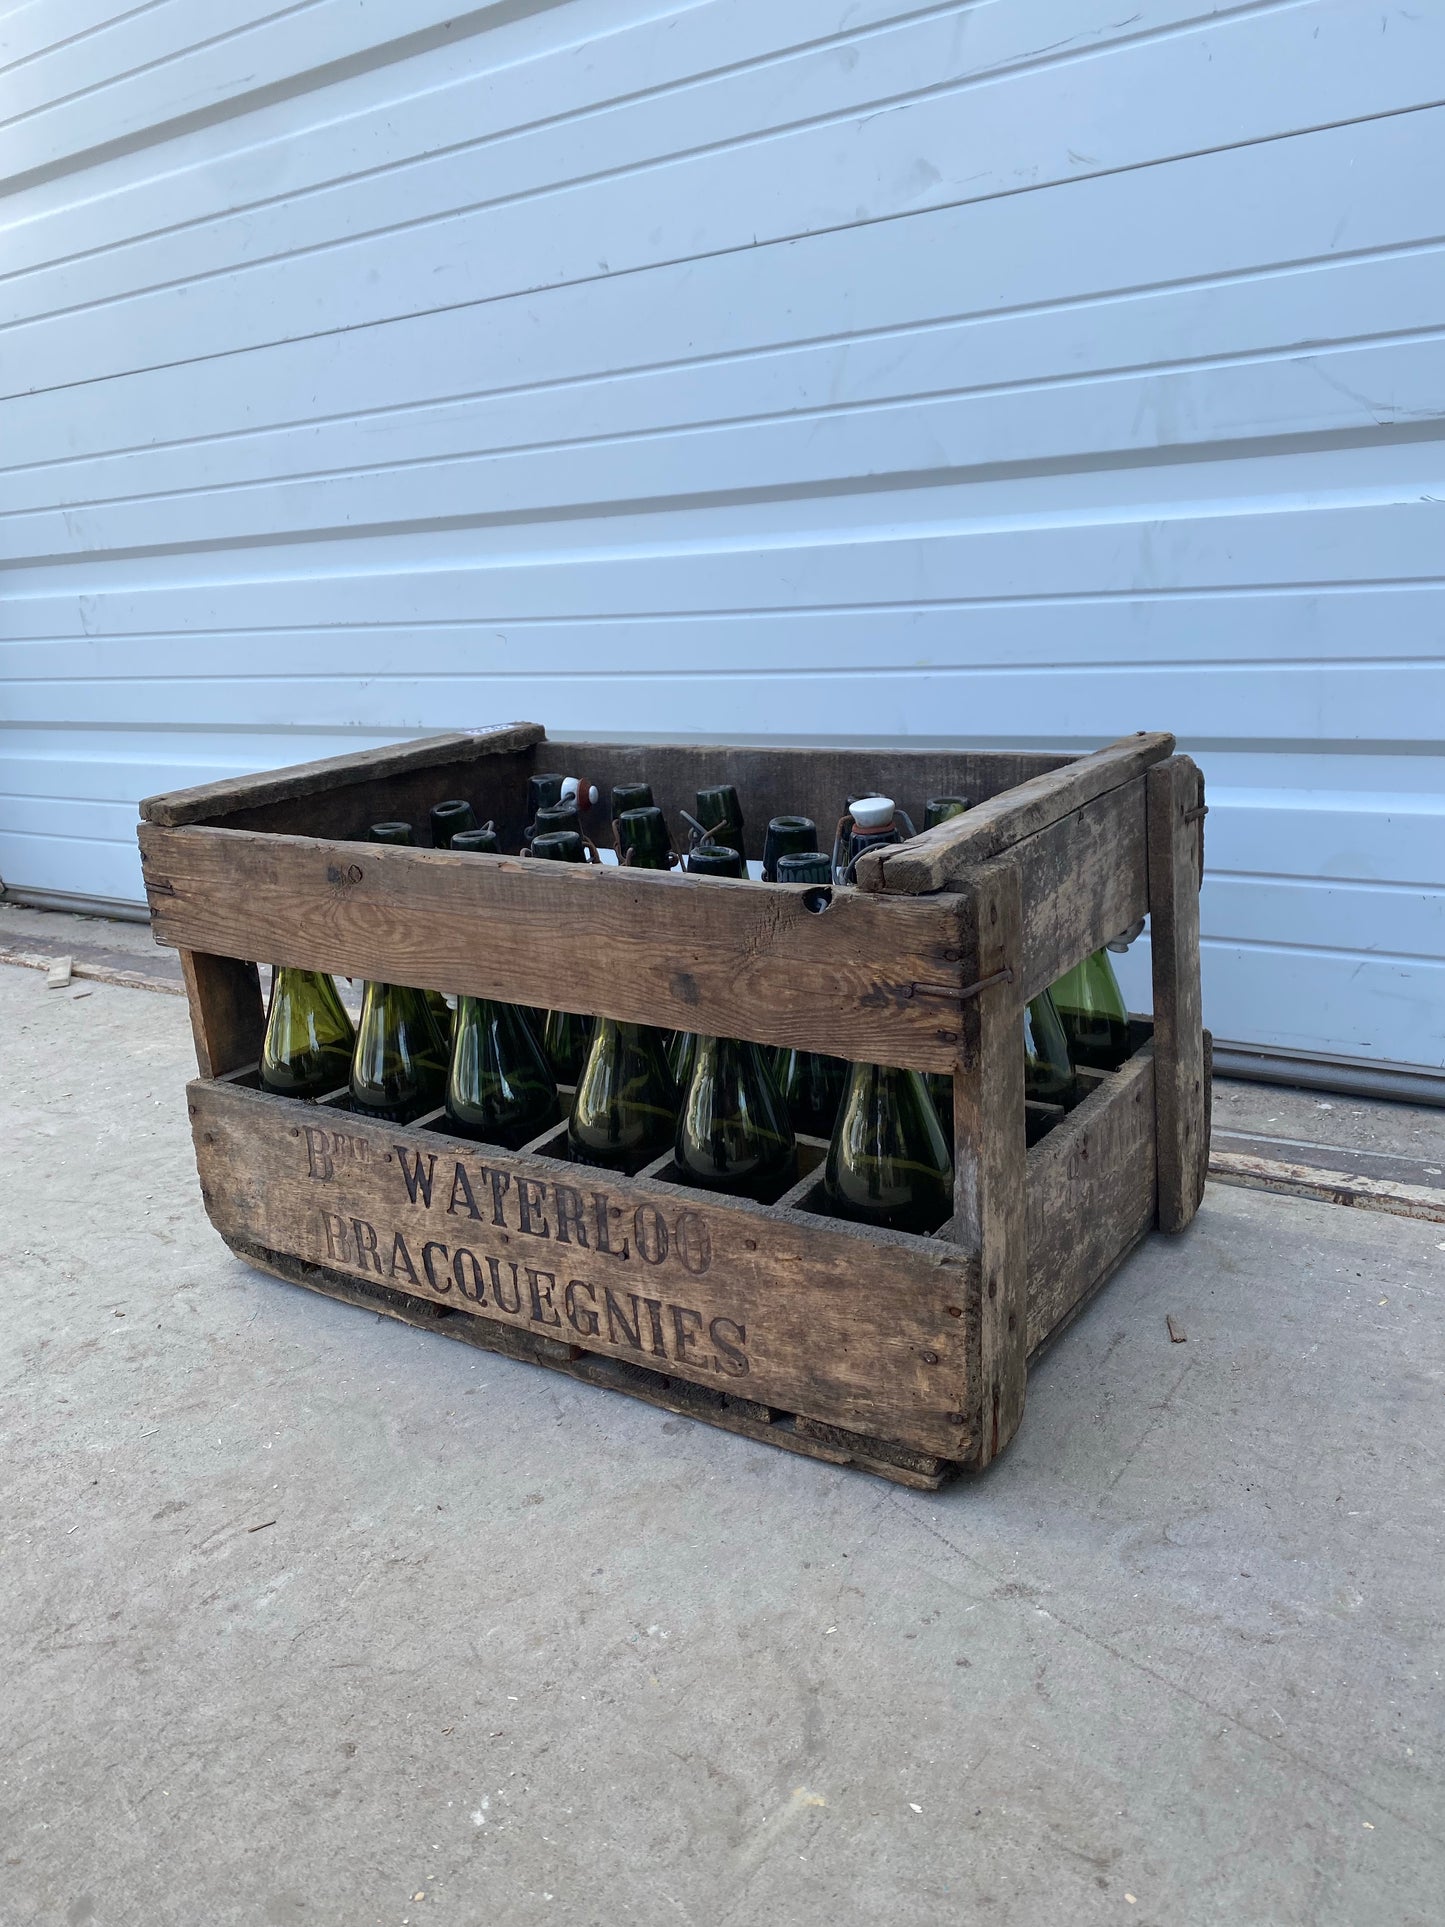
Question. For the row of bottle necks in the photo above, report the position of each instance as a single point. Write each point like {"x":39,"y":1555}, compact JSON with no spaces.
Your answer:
{"x":729,"y":1111}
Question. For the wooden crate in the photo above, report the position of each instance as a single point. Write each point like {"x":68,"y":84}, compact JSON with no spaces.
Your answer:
{"x":903,"y":1354}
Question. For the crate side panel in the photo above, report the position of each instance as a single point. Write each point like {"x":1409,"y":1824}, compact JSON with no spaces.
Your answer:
{"x":854,"y":1330}
{"x":1091,"y":1194}
{"x":304,"y":785}
{"x":687,"y":953}
{"x":1084,"y":879}
{"x":816,"y":783}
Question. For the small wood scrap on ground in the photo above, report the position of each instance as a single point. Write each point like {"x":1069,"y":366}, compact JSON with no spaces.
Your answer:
{"x":59,"y":978}
{"x":1176,"y":1330}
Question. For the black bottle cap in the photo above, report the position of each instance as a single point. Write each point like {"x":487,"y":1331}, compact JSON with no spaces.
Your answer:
{"x":558,"y":846}
{"x":484,"y":840}
{"x":715,"y":860}
{"x":804,"y":866}
{"x":392,"y":833}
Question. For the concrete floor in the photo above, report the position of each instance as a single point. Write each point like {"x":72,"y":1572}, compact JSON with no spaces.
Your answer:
{"x":540,"y":1654}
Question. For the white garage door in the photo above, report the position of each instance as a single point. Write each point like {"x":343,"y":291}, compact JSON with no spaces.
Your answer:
{"x":1011,"y":372}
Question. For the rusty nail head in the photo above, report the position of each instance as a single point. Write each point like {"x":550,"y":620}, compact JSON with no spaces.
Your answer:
{"x":955,"y":1311}
{"x":930,"y":1358}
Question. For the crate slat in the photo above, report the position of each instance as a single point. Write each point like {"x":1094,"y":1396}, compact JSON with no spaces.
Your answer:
{"x":831,"y":1321}
{"x":682,"y":952}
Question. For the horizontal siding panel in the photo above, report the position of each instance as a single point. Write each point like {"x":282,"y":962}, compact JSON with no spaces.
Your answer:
{"x":1022,"y":132}
{"x":1010,"y":269}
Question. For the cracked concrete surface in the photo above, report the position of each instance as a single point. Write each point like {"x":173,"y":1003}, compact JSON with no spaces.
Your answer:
{"x":307,"y":1615}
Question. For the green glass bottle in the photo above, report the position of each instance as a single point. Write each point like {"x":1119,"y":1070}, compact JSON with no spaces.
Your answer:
{"x":1048,"y":1074}
{"x":810,"y":1085}
{"x":483,"y":841}
{"x":681,"y":1053}
{"x":940,"y":1088}
{"x":787,"y":836}
{"x":1093,"y":1013}
{"x":715,"y":860}
{"x":888,"y":1164}
{"x":721,"y":814}
{"x":448,"y":818}
{"x":441,"y":1011}
{"x":642,"y":839}
{"x":625,"y":1111}
{"x":733,"y":1132}
{"x":939,"y":809}
{"x":309,"y":1037}
{"x":499,"y":1087}
{"x":565,"y":1033}
{"x":399,"y":1066}
{"x":542,"y":792}
{"x":630,"y":796}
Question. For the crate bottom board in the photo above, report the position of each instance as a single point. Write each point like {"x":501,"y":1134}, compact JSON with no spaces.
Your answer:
{"x":792,"y":1433}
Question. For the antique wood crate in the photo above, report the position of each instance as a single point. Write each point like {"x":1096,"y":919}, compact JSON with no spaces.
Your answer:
{"x":903,"y":1354}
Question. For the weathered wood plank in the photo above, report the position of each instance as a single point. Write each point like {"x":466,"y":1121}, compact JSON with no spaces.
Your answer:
{"x":689,"y":953}
{"x":1175,"y":793}
{"x":609,"y":1374}
{"x":1091,"y":1194}
{"x":939,"y":857}
{"x":990,"y":1155}
{"x":209,"y":802}
{"x":227,"y":1018}
{"x":1083,"y":880}
{"x":1329,"y":1187}
{"x":817,"y":783}
{"x":811,"y":1319}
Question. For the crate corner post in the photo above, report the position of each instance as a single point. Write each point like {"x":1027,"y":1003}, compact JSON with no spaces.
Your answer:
{"x":228,"y":1020}
{"x":990,"y":1185}
{"x":1176,"y":863}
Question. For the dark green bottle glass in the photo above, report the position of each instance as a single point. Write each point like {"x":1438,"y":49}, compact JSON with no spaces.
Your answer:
{"x":714,"y":860}
{"x":733,"y":1132}
{"x":1093,"y":1013}
{"x":448,"y":818}
{"x":542,"y":792}
{"x":642,"y":839}
{"x":940,"y":1088}
{"x":939,"y":809}
{"x":399,"y":1066}
{"x":401,"y":833}
{"x":499,"y":1088}
{"x":810,"y":1085}
{"x":309,"y":1037}
{"x":787,"y":836}
{"x":721,"y":814}
{"x":1048,"y":1074}
{"x":625,"y":1112}
{"x":630,"y":796}
{"x":484,"y":840}
{"x":888,"y":1163}
{"x":557,"y":816}
{"x":681,"y":1053}
{"x":565,"y":1034}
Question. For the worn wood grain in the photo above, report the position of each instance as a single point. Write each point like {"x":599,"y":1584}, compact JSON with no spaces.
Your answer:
{"x":689,"y":953}
{"x":1091,"y":1194}
{"x":1175,"y":791}
{"x":1082,"y":881}
{"x":669,"y":1394}
{"x":1329,"y":1187}
{"x":990,"y":1157}
{"x":817,"y":783}
{"x":307,"y":783}
{"x":809,"y":1319}
{"x":228,"y":1021}
{"x":939,"y":857}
